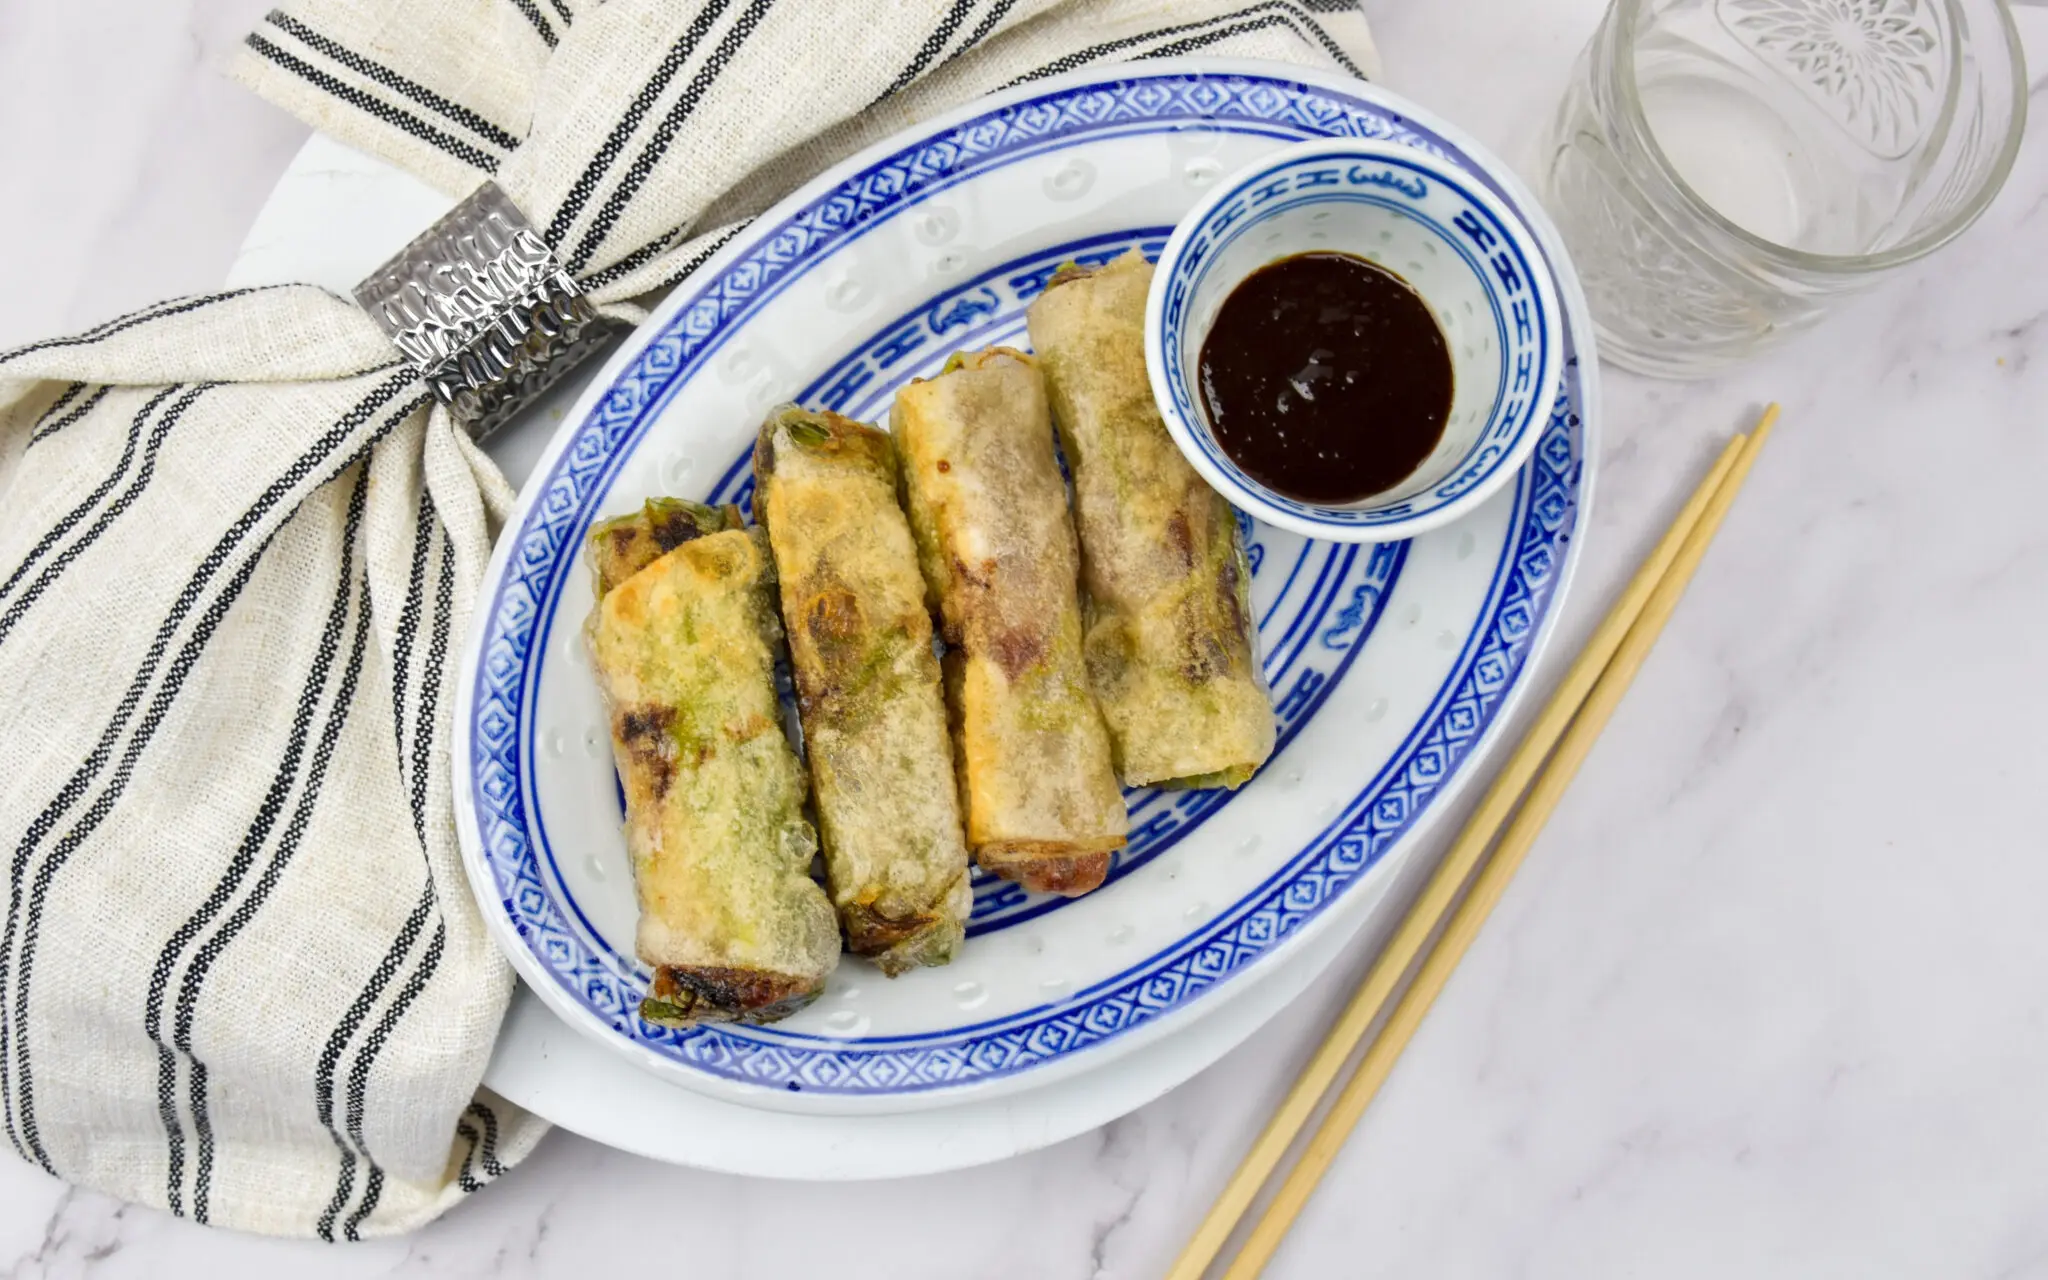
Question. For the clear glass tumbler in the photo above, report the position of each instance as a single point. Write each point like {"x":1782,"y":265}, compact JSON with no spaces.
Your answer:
{"x":1722,"y":169}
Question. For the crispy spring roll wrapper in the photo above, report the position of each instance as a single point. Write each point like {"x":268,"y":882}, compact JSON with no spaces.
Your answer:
{"x":860,"y":642}
{"x":623,"y":547}
{"x":989,"y":512}
{"x":1172,"y":649}
{"x":684,"y":643}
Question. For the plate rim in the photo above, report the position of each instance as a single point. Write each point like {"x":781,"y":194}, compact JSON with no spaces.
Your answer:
{"x":995,"y":1128}
{"x":547,"y":982}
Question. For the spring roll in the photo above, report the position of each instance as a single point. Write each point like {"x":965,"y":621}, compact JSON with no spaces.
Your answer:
{"x":1172,"y":651}
{"x":684,"y":638}
{"x":860,"y":642}
{"x":989,"y":512}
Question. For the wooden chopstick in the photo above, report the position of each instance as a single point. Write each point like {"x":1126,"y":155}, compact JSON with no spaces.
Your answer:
{"x":1674,"y":557}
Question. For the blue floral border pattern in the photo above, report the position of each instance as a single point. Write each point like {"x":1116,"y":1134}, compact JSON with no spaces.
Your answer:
{"x":546,"y":540}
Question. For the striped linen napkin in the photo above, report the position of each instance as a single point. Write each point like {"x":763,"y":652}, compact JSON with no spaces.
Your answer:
{"x":241,"y":975}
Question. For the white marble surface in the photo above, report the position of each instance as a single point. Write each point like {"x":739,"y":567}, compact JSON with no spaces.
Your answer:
{"x":1770,"y":998}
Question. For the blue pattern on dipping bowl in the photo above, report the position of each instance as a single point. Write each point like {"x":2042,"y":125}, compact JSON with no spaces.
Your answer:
{"x":1428,"y":220}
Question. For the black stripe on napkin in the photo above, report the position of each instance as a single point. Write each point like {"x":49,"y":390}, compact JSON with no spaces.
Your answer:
{"x":1280,"y":12}
{"x":323,"y":754}
{"x":257,"y":835}
{"x":144,"y":474}
{"x":348,"y":1137}
{"x":988,"y":23}
{"x":337,"y":1042}
{"x":539,"y":23}
{"x":489,"y":1154}
{"x":632,"y":262}
{"x":463,"y":1177}
{"x":107,"y":328}
{"x":49,"y":427}
{"x":359,"y":1009}
{"x":401,"y":653}
{"x":561,"y":9}
{"x":648,"y":252}
{"x":254,"y":839}
{"x":454,"y":112}
{"x":56,"y":407}
{"x":70,"y":519}
{"x":664,"y":133}
{"x":933,"y":45}
{"x":156,"y":311}
{"x":425,"y":726}
{"x":373,"y":1191}
{"x":483,"y":1148}
{"x":29,"y":1138}
{"x":1314,"y":31}
{"x":316,"y":464}
{"x":366,"y":1058}
{"x":48,"y":540}
{"x":593,"y":173}
{"x":384,"y":111}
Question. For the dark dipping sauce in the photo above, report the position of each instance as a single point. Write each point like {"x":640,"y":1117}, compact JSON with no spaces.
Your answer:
{"x":1326,"y":378}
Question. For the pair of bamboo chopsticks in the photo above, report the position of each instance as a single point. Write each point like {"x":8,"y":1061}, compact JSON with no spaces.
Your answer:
{"x":1576,"y":713}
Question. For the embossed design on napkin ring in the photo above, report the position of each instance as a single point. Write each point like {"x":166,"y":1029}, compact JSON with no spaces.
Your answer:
{"x":481,"y":307}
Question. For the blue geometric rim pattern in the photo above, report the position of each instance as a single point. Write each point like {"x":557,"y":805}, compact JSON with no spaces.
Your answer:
{"x":1509,"y":277}
{"x":545,"y":543}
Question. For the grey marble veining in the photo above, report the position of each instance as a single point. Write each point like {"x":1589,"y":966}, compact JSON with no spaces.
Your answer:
{"x":1768,"y":999}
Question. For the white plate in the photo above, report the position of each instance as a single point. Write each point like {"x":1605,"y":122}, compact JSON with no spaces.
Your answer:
{"x":1390,"y":664}
{"x":335,"y":215}
{"x":544,"y":1065}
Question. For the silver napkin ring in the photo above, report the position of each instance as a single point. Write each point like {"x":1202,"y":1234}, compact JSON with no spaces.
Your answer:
{"x":480,"y":306}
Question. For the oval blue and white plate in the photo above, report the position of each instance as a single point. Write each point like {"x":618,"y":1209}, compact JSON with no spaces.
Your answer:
{"x":1392,"y":665}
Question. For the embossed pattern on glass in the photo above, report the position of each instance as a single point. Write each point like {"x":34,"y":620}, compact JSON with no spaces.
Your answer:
{"x":1723,"y":169}
{"x":1872,"y":66}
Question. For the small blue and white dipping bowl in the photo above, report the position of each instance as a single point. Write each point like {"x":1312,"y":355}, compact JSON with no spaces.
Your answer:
{"x":1475,"y":264}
